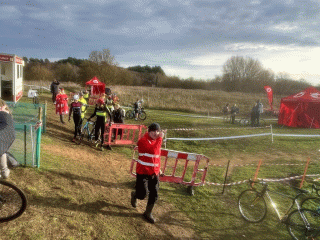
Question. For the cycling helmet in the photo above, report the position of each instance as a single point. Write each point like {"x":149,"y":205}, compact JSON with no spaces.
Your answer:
{"x":76,"y":97}
{"x":100,"y":101}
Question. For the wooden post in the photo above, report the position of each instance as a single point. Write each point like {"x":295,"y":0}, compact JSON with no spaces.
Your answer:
{"x":257,"y":171}
{"x":305,"y":172}
{"x":225,"y":177}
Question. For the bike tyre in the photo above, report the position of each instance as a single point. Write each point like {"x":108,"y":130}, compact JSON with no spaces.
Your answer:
{"x":254,"y":213}
{"x":129,"y":114}
{"x":142,"y":115}
{"x":13,"y":202}
{"x":244,"y":121}
{"x":312,"y":203}
{"x":297,"y":228}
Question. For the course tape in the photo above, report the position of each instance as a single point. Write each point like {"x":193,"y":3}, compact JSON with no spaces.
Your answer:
{"x":262,"y":179}
{"x":266,"y":164}
{"x":224,"y":128}
{"x":219,"y":138}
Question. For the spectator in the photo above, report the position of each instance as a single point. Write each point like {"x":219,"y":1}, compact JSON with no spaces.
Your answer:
{"x":54,"y":89}
{"x":118,"y":117}
{"x":225,"y":109}
{"x":137,"y":107}
{"x":7,"y":136}
{"x":62,"y":104}
{"x":259,"y":111}
{"x":234,"y":111}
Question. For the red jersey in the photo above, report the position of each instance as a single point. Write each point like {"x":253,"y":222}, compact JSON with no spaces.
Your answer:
{"x":149,"y":155}
{"x":62,"y":104}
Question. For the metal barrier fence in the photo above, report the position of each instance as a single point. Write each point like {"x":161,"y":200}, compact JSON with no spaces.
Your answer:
{"x":28,"y":129}
{"x":26,"y":147}
{"x":28,"y":113}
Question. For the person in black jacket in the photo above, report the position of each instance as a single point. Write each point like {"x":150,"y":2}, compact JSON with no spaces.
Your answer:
{"x":7,"y":137}
{"x":54,"y":88}
{"x":118,"y":117}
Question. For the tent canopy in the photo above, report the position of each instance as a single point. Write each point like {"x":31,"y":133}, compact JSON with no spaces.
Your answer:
{"x":97,"y":87}
{"x":301,"y":109}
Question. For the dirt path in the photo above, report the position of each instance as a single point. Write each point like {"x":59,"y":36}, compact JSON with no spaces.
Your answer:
{"x":108,"y":172}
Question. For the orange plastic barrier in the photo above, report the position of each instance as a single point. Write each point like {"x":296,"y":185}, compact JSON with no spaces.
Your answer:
{"x":123,"y":134}
{"x":182,"y":161}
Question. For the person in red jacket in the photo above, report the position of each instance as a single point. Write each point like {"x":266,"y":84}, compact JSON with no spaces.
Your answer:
{"x":62,"y":105}
{"x":148,"y":169}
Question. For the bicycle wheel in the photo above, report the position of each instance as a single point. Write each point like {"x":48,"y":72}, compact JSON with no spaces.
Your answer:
{"x":13,"y":201}
{"x":312,"y":203}
{"x":298,"y":229}
{"x":252,"y":206}
{"x":244,"y":121}
{"x":129,"y":114}
{"x":142,"y":115}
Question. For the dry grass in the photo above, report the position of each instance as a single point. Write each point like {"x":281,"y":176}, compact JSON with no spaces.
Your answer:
{"x":200,"y":101}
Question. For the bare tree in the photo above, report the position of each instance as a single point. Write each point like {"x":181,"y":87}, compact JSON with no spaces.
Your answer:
{"x":103,"y":56}
{"x":245,"y":74}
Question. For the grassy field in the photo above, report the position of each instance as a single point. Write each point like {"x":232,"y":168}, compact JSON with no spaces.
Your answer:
{"x":82,"y":193}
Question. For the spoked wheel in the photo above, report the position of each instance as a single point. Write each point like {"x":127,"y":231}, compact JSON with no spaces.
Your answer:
{"x":13,"y":201}
{"x":298,"y":229}
{"x":142,"y":115}
{"x":129,"y":114}
{"x":244,"y":121}
{"x":312,"y":203}
{"x":252,"y":206}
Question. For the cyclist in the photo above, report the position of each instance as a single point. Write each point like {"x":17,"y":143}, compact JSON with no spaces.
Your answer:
{"x":84,"y":107}
{"x":7,"y":136}
{"x":109,"y":102}
{"x":137,"y":107}
{"x":102,"y":113}
{"x":75,"y":109}
{"x":86,"y":95}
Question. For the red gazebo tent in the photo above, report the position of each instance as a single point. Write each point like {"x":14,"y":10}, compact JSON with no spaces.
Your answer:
{"x":97,"y":87}
{"x":301,"y":109}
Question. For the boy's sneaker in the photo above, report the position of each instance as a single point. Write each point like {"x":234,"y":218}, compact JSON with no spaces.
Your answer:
{"x":73,"y":140}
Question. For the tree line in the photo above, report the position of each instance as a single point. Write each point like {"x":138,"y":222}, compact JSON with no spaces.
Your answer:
{"x":240,"y":74}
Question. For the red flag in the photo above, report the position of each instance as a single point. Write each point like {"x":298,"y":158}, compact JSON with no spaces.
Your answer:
{"x":270,"y":95}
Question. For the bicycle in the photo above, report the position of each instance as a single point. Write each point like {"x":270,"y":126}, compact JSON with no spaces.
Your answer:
{"x":130,"y":114}
{"x":87,"y":132}
{"x":13,"y":201}
{"x":247,"y":122}
{"x":312,"y":203}
{"x":301,"y":223}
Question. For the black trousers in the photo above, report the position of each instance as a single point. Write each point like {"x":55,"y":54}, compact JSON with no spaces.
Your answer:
{"x":54,"y":95}
{"x":145,"y":184}
{"x":77,"y":124}
{"x":100,"y":124}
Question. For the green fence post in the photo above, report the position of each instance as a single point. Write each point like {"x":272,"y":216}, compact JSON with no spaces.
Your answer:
{"x":44,"y":117}
{"x":25,"y":144}
{"x":38,"y":147}
{"x":38,"y":139}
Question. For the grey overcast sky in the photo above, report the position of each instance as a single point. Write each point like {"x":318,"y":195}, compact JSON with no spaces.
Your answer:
{"x":187,"y":38}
